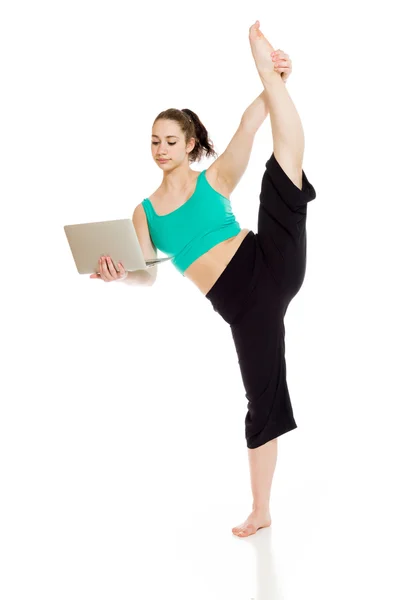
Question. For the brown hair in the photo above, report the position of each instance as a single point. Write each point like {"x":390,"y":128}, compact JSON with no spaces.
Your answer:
{"x":191,"y":126}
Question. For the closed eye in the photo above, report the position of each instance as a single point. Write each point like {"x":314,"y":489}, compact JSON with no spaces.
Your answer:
{"x":169,"y":143}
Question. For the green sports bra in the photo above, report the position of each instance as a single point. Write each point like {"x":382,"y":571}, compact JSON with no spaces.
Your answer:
{"x":202,"y":222}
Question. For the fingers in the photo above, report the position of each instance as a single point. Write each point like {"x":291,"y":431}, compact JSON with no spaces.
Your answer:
{"x":280,"y":57}
{"x":108,"y":272}
{"x":111,"y":268}
{"x":281,"y":60}
{"x":280,"y":53}
{"x":122,"y":273}
{"x":104,"y":272}
{"x":282,"y":63}
{"x":105,"y":265}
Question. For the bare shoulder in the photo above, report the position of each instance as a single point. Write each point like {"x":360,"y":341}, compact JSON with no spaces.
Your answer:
{"x":217,"y":182}
{"x":139,"y":214}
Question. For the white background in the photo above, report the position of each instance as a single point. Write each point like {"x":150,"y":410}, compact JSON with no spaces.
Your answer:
{"x":123,"y":461}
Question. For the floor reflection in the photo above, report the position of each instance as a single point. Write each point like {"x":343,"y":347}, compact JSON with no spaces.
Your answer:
{"x":267,"y":580}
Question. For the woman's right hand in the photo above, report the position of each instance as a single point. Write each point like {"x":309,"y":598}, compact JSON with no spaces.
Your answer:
{"x":282,"y":64}
{"x":108,"y":272}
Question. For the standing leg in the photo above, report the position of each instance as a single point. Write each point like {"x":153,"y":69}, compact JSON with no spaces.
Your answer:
{"x":262,"y":462}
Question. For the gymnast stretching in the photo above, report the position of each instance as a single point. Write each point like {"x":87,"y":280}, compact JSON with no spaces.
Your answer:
{"x":249,"y":278}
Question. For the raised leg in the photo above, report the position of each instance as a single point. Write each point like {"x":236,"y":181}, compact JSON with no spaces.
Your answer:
{"x":282,"y":232}
{"x":287,"y":130}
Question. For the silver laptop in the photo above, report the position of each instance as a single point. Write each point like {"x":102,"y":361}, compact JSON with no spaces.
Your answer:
{"x":117,"y":239}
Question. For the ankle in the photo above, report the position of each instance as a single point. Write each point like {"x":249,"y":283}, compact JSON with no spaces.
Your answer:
{"x":261,"y":509}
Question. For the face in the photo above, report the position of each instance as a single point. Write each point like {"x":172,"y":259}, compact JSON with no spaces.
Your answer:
{"x":168,"y":142}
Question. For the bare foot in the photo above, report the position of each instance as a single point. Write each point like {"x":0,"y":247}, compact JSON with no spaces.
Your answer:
{"x":256,"y":520}
{"x":261,"y":49}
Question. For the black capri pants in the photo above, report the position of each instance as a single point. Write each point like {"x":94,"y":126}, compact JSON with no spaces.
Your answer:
{"x":252,"y":295}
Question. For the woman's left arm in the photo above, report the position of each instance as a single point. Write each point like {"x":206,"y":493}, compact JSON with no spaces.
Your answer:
{"x":255,"y":114}
{"x":231,"y":165}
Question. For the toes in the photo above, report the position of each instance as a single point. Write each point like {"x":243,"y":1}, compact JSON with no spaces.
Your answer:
{"x":248,"y":530}
{"x":244,"y":530}
{"x":238,"y":529}
{"x":255,"y":29}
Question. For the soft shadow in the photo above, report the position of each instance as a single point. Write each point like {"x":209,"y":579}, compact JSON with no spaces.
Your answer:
{"x":267,"y":580}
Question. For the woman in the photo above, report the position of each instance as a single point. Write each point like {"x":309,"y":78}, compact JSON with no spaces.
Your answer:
{"x":249,"y":278}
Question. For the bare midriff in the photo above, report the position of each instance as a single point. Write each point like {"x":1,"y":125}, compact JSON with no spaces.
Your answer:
{"x":205,"y":271}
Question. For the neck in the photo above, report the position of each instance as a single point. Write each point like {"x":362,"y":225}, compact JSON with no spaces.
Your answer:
{"x":178,"y":179}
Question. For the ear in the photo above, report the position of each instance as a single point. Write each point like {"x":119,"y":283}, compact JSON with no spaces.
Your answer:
{"x":191,"y":144}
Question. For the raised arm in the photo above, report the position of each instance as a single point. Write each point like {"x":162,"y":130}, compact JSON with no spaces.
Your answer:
{"x":231,"y":164}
